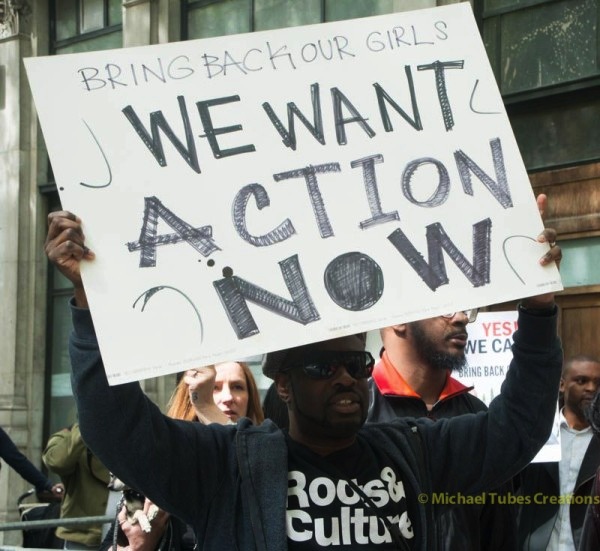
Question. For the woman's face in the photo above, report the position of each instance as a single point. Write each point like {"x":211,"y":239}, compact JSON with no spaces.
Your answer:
{"x":231,"y":390}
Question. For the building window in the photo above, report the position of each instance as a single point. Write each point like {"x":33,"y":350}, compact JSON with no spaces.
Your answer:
{"x":537,"y":44}
{"x":546,"y":58}
{"x":206,"y":18}
{"x":61,"y":410}
{"x":75,"y":26}
{"x":582,"y":266}
{"x":85,"y":25}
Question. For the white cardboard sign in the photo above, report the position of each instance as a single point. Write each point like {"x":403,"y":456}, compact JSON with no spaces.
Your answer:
{"x":253,"y":192}
{"x":488,"y":357}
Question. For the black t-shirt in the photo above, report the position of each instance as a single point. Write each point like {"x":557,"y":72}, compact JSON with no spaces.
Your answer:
{"x":325,"y":510}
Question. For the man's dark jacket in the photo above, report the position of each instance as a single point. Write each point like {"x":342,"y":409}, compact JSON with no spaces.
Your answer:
{"x":230,"y":482}
{"x":486,"y":527}
{"x":536,"y":520}
{"x":590,"y":534}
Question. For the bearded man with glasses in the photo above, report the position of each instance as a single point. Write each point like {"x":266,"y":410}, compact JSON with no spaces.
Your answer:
{"x":331,"y":480}
{"x":414,"y":379}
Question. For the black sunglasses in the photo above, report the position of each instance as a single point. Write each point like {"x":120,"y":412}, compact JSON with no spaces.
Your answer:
{"x":323,"y":365}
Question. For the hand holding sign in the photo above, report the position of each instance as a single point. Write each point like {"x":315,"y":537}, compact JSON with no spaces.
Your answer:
{"x":66,"y":249}
{"x":548,"y":236}
{"x":553,"y":255}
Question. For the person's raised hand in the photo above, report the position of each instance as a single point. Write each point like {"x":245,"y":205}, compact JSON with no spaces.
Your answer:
{"x":201,"y":384}
{"x":548,"y":236}
{"x":545,"y":300}
{"x":65,"y":248}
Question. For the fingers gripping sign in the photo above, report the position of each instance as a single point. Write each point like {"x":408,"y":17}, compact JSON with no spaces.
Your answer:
{"x":65,"y":247}
{"x":548,"y":236}
{"x":554,"y":254}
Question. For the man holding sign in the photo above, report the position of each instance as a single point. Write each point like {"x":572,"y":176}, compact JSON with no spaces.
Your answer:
{"x":413,"y":379}
{"x":330,"y":481}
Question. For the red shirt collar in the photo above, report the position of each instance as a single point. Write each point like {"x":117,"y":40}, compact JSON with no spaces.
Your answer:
{"x":391,"y":383}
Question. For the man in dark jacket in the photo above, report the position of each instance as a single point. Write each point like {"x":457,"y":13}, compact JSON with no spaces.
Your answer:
{"x":413,"y":379}
{"x":590,"y":533}
{"x":551,"y":522}
{"x":330,"y":480}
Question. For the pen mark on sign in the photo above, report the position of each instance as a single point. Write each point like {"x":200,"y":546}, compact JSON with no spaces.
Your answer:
{"x":148,"y":294}
{"x":506,"y":255}
{"x":105,"y":161}
{"x":476,"y":110}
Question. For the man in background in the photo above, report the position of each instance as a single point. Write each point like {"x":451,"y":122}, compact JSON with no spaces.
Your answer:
{"x":413,"y":379}
{"x":550,"y":522}
{"x":86,"y":486}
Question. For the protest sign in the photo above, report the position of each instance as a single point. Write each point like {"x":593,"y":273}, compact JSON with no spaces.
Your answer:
{"x":253,"y":192}
{"x":488,"y":358}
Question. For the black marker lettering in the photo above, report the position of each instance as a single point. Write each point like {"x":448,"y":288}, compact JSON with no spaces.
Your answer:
{"x":442,"y":190}
{"x":372,"y":191}
{"x":154,"y":143}
{"x":340,"y":123}
{"x":211,"y":132}
{"x":439,"y":68}
{"x":289,"y":134}
{"x":280,"y":233}
{"x":199,"y":238}
{"x":383,"y":97}
{"x":498,"y":188}
{"x":234,"y":292}
{"x":354,"y":281}
{"x":433,"y":273}
{"x":314,"y":193}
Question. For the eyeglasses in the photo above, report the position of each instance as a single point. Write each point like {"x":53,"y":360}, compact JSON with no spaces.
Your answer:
{"x":471,"y":314}
{"x":323,"y":365}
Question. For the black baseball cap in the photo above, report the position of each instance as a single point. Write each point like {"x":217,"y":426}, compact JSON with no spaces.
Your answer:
{"x":274,"y":362}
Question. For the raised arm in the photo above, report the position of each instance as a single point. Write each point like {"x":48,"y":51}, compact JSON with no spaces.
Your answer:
{"x":200,"y":384}
{"x":26,"y":469}
{"x":65,"y":248}
{"x":484,"y":450}
{"x":124,"y":429}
